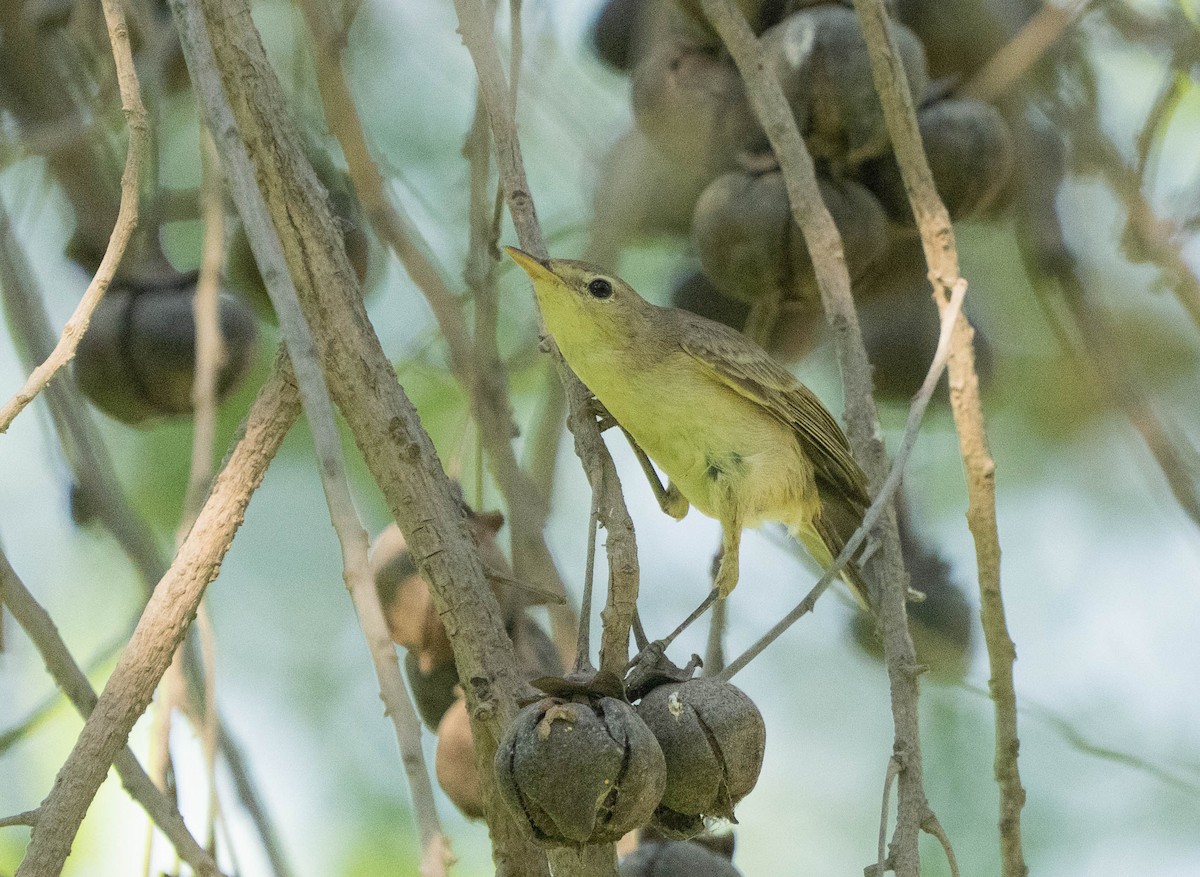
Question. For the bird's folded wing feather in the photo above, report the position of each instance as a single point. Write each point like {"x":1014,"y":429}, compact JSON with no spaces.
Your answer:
{"x":750,"y":371}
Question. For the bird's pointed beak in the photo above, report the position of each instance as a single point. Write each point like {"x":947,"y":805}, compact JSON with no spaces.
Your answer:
{"x":535,"y":268}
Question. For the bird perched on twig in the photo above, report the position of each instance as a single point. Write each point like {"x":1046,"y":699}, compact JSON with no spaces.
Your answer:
{"x":738,"y":436}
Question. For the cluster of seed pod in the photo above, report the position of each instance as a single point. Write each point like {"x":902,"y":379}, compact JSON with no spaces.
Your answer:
{"x":585,"y":765}
{"x":698,"y":162}
{"x":582,"y":764}
{"x":136,"y":362}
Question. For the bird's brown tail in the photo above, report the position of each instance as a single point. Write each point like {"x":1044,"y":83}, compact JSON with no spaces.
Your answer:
{"x":834,"y":525}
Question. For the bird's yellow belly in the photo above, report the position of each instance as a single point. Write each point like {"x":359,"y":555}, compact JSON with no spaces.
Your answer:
{"x":726,"y":455}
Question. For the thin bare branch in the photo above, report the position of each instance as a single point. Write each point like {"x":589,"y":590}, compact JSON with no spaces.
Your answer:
{"x":127,"y":217}
{"x":36,"y":622}
{"x":477,"y":367}
{"x":937,"y":239}
{"x":160,"y":629}
{"x":26,"y":817}
{"x":932,"y":826}
{"x":1080,"y":742}
{"x":886,"y":568}
{"x":362,"y":382}
{"x":1153,"y":237}
{"x":210,"y":347}
{"x":889,"y":778}
{"x":96,"y":481}
{"x":1030,"y":44}
{"x":314,"y":395}
{"x":478,"y":33}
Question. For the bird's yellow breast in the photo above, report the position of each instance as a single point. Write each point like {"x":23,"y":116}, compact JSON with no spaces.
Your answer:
{"x":727,"y":455}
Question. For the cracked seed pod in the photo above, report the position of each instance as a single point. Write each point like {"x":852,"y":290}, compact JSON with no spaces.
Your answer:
{"x":749,"y":246}
{"x":820,"y":57}
{"x":454,"y":761}
{"x":137,"y":359}
{"x":712,"y":736}
{"x":970,"y":151}
{"x":440,"y":703}
{"x":691,"y":104}
{"x":580,"y":772}
{"x":676,"y":859}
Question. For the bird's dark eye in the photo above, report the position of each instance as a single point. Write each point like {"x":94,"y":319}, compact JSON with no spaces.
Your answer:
{"x":600,"y":288}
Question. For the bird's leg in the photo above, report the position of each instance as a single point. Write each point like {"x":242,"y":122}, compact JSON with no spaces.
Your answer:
{"x":604,"y":420}
{"x":670,"y":500}
{"x":727,"y":573}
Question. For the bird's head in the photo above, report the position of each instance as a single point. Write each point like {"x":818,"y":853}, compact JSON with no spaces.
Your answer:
{"x":583,"y":304}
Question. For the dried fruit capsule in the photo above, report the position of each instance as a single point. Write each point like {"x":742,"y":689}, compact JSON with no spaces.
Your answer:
{"x":690,"y":102}
{"x":820,"y":57}
{"x":580,"y":771}
{"x":615,"y":32}
{"x":640,"y":192}
{"x":740,"y":229}
{"x":412,"y":619}
{"x":434,"y":690}
{"x":454,"y":761}
{"x":137,"y":359}
{"x":676,"y":859}
{"x":960,"y":37}
{"x":750,"y":247}
{"x":712,"y":737}
{"x":861,"y":222}
{"x":900,"y":324}
{"x":970,"y":152}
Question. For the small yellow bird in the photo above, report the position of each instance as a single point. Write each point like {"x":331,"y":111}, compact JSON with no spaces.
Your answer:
{"x":739,"y":437}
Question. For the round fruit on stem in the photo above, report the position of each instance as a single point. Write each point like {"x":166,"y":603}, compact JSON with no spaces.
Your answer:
{"x":137,"y":359}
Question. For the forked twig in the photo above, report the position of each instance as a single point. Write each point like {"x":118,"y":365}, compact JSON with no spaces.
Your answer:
{"x":937,"y":239}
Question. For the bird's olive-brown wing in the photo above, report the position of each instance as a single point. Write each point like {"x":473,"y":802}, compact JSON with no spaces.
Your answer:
{"x":748,"y":369}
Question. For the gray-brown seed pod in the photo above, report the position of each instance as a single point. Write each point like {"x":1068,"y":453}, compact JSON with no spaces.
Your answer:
{"x":740,"y":230}
{"x":689,"y":101}
{"x":434,"y":690}
{"x":454,"y":761}
{"x":641,"y":193}
{"x":820,"y":57}
{"x":960,"y":37}
{"x":970,"y":151}
{"x":137,"y":359}
{"x":676,"y":859}
{"x":580,"y":771}
{"x":713,"y":739}
{"x":751,"y":249}
{"x":797,"y":330}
